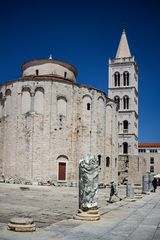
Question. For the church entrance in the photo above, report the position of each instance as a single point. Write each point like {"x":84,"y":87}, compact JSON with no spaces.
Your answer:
{"x":62,"y":171}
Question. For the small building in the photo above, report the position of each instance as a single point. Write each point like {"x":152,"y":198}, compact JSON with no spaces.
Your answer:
{"x":150,"y":152}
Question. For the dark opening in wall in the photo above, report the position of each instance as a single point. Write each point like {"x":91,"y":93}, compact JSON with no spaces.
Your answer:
{"x":117,"y":79}
{"x":8,"y":92}
{"x":60,"y":118}
{"x":88,"y":106}
{"x":99,"y":160}
{"x":1,"y":96}
{"x":37,"y":72}
{"x":107,"y":161}
{"x":151,"y":168}
{"x":125,"y":147}
{"x":126,"y":102}
{"x":115,"y":162}
{"x":152,"y":160}
{"x":117,"y":100}
{"x":126,"y":78}
{"x":65,"y":74}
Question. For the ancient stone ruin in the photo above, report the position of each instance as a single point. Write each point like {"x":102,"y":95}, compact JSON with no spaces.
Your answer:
{"x":88,"y":188}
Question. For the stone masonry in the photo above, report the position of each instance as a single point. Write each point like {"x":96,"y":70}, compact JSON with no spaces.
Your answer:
{"x":48,"y":123}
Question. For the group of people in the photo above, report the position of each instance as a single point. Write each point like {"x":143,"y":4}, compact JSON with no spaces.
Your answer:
{"x":113,"y":191}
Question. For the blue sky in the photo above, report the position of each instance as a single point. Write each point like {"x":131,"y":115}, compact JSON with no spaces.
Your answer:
{"x":86,"y":34}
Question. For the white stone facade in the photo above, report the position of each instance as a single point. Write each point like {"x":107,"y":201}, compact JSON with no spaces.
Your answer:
{"x":123,"y":88}
{"x":48,"y":67}
{"x":150,"y":153}
{"x":48,"y":123}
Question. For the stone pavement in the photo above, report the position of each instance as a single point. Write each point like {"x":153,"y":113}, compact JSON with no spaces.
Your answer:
{"x":52,"y":208}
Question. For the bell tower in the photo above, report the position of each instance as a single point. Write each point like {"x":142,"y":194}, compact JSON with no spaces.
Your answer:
{"x":123,"y":88}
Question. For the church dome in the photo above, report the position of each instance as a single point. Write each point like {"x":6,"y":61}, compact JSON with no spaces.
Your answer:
{"x":49,"y":68}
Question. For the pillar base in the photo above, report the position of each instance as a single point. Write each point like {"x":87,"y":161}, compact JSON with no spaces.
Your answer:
{"x":90,"y":215}
{"x":130,"y":199}
{"x":21,"y":225}
{"x":138,"y":196}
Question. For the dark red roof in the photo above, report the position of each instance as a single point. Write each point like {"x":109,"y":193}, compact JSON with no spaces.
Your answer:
{"x":148,"y":145}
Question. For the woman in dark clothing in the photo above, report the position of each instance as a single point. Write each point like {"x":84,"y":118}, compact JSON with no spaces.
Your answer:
{"x":154,"y":184}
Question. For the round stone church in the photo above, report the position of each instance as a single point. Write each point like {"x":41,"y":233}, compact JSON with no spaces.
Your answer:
{"x":48,"y":122}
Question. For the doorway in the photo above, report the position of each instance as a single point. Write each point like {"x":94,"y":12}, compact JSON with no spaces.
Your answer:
{"x":62,"y":171}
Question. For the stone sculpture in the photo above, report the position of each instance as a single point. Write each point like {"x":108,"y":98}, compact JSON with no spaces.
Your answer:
{"x":88,"y":187}
{"x":88,"y":182}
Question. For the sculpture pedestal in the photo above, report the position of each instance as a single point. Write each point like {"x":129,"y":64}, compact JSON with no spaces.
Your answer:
{"x":90,"y":215}
{"x":20,"y":224}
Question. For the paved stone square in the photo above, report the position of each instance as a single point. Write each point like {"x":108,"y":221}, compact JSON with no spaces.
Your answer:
{"x":53,"y":208}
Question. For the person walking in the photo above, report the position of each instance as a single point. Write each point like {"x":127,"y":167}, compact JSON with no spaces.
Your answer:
{"x":154,"y":184}
{"x":113,"y":191}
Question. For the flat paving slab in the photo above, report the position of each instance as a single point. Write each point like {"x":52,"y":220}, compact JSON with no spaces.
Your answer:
{"x":52,"y":209}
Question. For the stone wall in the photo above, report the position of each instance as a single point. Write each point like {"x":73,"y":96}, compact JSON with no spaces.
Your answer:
{"x":152,"y":160}
{"x":131,"y":168}
{"x":48,"y":125}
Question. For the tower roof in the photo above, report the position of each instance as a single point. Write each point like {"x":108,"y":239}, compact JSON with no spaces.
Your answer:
{"x":123,"y":48}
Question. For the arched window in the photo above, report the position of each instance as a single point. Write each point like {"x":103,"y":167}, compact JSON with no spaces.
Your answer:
{"x":87,"y":104}
{"x":99,"y":160}
{"x":39,"y":100}
{"x":62,"y":106}
{"x":125,"y":126}
{"x":8,"y":101}
{"x":87,"y":100}
{"x":117,"y":100}
{"x":107,"y":161}
{"x":126,"y":78}
{"x":126,"y":102}
{"x":26,"y":100}
{"x":8,"y":92}
{"x":40,"y":89}
{"x":117,"y":79}
{"x":125,"y":147}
